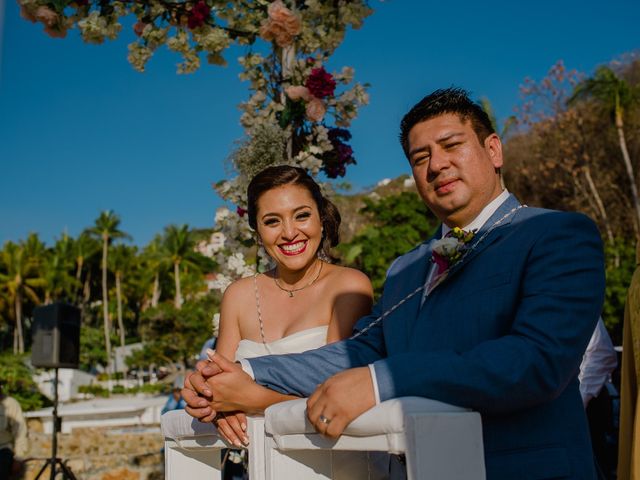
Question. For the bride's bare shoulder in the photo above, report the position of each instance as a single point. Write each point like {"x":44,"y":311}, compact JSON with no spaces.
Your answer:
{"x":346,"y":278}
{"x":239,"y":289}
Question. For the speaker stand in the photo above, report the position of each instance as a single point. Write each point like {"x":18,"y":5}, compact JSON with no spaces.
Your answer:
{"x":55,"y":463}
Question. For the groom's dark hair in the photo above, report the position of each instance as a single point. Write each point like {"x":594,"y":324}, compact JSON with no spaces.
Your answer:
{"x":447,"y":100}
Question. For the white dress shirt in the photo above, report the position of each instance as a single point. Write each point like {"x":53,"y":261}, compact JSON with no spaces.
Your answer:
{"x":599,"y":361}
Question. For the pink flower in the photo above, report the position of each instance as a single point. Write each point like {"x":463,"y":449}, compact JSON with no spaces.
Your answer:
{"x":198,"y":15}
{"x":55,"y":33}
{"x":46,"y":16}
{"x":281,"y":26}
{"x":320,"y":83}
{"x":26,"y":14}
{"x":138,"y":28}
{"x":441,"y":262}
{"x":298,"y":92}
{"x":315,"y":110}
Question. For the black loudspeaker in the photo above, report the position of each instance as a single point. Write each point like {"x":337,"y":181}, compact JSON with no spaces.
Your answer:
{"x":56,"y":336}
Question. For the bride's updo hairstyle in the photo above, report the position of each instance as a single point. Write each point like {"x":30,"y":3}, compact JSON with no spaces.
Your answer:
{"x":281,"y":175}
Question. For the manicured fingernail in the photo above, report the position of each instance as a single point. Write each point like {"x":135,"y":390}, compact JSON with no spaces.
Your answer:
{"x":245,"y":440}
{"x":210,"y":353}
{"x":237,"y":443}
{"x":207,"y":392}
{"x":244,"y":427}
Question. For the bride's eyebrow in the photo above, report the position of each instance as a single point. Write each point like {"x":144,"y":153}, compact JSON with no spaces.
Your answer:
{"x":276,"y":214}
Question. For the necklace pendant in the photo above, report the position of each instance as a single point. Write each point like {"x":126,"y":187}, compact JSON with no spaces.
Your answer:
{"x":290,"y":293}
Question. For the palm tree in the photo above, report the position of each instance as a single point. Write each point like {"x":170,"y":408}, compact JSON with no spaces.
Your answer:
{"x":56,"y":270}
{"x":84,"y":247}
{"x":179,"y":246}
{"x":19,"y":280}
{"x":106,"y":230}
{"x":121,"y":262}
{"x":155,"y":263}
{"x":617,"y":96}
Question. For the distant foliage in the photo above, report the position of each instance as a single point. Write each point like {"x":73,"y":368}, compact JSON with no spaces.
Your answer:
{"x":395,"y":225}
{"x":568,"y":157}
{"x":173,"y":336}
{"x":16,"y":381}
{"x":618,"y":280}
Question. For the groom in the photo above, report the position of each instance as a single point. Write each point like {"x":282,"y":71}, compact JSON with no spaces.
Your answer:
{"x":500,"y":325}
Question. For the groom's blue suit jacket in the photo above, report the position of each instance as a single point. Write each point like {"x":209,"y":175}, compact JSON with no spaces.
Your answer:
{"x":503,"y":334}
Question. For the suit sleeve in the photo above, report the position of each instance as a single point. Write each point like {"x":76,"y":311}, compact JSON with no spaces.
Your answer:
{"x":560,"y":300}
{"x":301,"y":373}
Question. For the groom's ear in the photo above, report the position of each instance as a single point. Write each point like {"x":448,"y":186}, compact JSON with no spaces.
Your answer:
{"x":493,"y":147}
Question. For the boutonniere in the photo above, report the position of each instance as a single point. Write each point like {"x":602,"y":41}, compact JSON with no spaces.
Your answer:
{"x":448,"y":251}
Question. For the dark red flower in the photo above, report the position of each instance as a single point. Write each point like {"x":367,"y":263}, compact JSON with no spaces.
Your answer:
{"x":198,"y":14}
{"x":241,"y":211}
{"x":320,"y":83}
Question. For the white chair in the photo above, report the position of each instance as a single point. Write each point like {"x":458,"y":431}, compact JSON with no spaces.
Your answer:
{"x":193,"y":449}
{"x":440,"y":441}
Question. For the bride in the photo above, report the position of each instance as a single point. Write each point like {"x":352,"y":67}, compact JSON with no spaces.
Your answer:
{"x":302,"y":303}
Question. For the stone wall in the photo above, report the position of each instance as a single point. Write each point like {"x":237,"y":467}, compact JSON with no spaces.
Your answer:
{"x":130,"y":453}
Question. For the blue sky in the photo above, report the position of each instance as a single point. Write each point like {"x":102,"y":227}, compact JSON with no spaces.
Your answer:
{"x":81,"y":131}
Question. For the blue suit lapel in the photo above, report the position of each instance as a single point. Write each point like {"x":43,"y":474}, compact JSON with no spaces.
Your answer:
{"x":487,"y":234}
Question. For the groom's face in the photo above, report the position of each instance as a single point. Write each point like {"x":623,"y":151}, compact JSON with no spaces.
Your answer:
{"x":454,"y":172}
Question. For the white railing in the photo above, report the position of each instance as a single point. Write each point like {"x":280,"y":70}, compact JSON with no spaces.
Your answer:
{"x":439,"y":441}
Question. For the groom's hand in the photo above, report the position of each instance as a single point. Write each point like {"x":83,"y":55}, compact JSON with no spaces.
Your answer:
{"x":339,"y":400}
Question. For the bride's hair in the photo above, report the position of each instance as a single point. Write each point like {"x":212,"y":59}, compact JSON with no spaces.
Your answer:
{"x":280,"y":175}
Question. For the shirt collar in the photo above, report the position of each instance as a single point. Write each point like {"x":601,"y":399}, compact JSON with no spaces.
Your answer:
{"x":484,"y":215}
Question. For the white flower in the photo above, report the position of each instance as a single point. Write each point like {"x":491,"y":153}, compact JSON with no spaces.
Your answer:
{"x":221,"y":282}
{"x":222,"y":212}
{"x":215,"y":322}
{"x":217,"y":241}
{"x":93,"y":28}
{"x":237,"y":264}
{"x":384,"y":182}
{"x":446,"y":246}
{"x":138,"y":56}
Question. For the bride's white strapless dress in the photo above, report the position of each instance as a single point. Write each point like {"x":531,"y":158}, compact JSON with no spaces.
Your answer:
{"x":295,"y":343}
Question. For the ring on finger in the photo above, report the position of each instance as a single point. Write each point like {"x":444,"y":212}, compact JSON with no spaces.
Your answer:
{"x":323,"y":419}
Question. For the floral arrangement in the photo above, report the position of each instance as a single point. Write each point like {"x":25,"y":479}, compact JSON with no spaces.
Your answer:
{"x":450,"y":249}
{"x":298,"y":112}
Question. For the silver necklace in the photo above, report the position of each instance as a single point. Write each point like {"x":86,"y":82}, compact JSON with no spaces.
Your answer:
{"x":421,"y":287}
{"x":291,"y":291}
{"x":260,"y":321}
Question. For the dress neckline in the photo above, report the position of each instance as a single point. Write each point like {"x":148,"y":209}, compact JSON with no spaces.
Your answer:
{"x":291,"y":336}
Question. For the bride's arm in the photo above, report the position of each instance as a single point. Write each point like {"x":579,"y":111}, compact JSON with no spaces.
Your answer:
{"x":229,"y":329}
{"x":352,"y":299}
